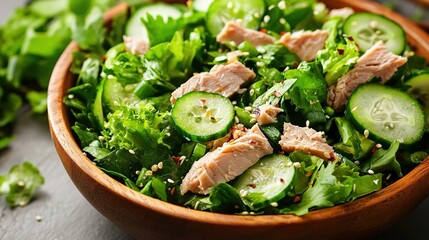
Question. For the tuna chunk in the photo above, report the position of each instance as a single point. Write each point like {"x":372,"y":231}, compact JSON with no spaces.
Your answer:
{"x":378,"y":61}
{"x":136,"y":46}
{"x":226,"y":162}
{"x":305,"y":43}
{"x":223,"y":79}
{"x":305,"y":139}
{"x":266,"y":114}
{"x":236,"y":33}
{"x":343,"y":12}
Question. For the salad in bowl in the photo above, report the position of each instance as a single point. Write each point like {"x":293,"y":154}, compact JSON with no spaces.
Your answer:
{"x":252,"y":107}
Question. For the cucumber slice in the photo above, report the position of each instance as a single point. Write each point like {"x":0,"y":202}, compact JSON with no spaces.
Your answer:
{"x":221,"y":11}
{"x":136,"y":29}
{"x":97,"y":106}
{"x":203,"y":116}
{"x":267,"y":181}
{"x":419,"y":89}
{"x":386,"y":113}
{"x":114,"y":92}
{"x":369,"y":28}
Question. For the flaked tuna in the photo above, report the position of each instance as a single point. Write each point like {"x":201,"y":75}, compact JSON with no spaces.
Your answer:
{"x":343,"y":12}
{"x":305,"y":139}
{"x":305,"y":44}
{"x":226,"y":162}
{"x":266,"y":114}
{"x":236,"y":33}
{"x":378,"y":61}
{"x":136,"y":46}
{"x":225,"y":79}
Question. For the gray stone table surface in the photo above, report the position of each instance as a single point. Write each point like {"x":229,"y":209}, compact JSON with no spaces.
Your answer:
{"x":67,"y":215}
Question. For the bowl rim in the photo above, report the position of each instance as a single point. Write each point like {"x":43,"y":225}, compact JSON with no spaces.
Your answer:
{"x":61,"y":133}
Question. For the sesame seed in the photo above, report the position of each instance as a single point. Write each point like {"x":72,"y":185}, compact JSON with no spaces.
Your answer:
{"x":388,"y":176}
{"x":22,"y":203}
{"x":70,"y":96}
{"x":281,"y":5}
{"x":154,"y":168}
{"x":21,"y":183}
{"x":253,"y":120}
{"x":373,"y":24}
{"x":131,"y":151}
{"x":260,"y":64}
{"x":101,"y":138}
{"x":160,"y":165}
{"x":148,"y":173}
{"x":182,"y":158}
{"x":370,"y":172}
{"x":366,"y":133}
{"x":282,"y":21}
{"x":375,"y":181}
{"x":271,"y":7}
{"x":326,"y":154}
{"x":234,"y":102}
{"x":307,"y":123}
{"x":357,"y":162}
{"x":378,"y":145}
{"x":252,"y":213}
{"x":170,"y":180}
{"x":103,"y":74}
{"x":138,"y":172}
{"x":266,"y":18}
{"x":38,"y":218}
{"x":297,"y":165}
{"x":289,"y":164}
{"x":248,"y":109}
{"x":274,"y":204}
{"x":236,"y":119}
{"x":110,"y":77}
{"x":245,"y":212}
{"x":243,"y":192}
{"x":251,"y":92}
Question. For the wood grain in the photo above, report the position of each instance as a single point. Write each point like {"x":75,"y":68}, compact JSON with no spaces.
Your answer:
{"x":145,"y":217}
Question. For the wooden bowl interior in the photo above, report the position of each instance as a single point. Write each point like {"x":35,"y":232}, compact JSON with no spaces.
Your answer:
{"x":145,"y":217}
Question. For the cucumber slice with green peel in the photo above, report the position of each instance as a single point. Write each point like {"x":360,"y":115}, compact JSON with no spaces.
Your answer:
{"x":386,"y":114}
{"x":250,"y":13}
{"x":135,"y":27}
{"x":419,"y":89}
{"x":203,"y":116}
{"x":369,"y":28}
{"x":97,"y":106}
{"x":113,"y":92}
{"x":267,"y":181}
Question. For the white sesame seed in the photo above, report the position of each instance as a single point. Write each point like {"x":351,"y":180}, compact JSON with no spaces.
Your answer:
{"x":154,"y":168}
{"x":110,"y":77}
{"x":236,"y":119}
{"x":260,"y":64}
{"x":251,"y":92}
{"x":271,"y":7}
{"x":253,"y":120}
{"x":131,"y":151}
{"x":103,"y":74}
{"x":289,"y":164}
{"x":148,"y":173}
{"x":70,"y":96}
{"x":357,"y":162}
{"x":281,"y":5}
{"x":297,"y":164}
{"x":307,"y":123}
{"x":138,"y":172}
{"x":21,"y":183}
{"x":234,"y":102}
{"x":248,"y":109}
{"x":252,"y":213}
{"x":370,"y":172}
{"x":366,"y":133}
{"x":274,"y":204}
{"x":22,"y":203}
{"x":182,"y":158}
{"x":378,"y":145}
{"x":282,"y":21}
{"x":38,"y":218}
{"x":170,"y":180}
{"x":327,"y":117}
{"x":388,"y":176}
{"x":245,"y":212}
{"x":160,"y":165}
{"x":326,"y":154}
{"x":266,"y":18}
{"x":373,"y":24}
{"x":376,"y":181}
{"x":101,"y":138}
{"x":243,"y":192}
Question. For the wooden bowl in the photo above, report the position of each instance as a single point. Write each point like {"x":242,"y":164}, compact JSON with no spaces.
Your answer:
{"x":148,"y":218}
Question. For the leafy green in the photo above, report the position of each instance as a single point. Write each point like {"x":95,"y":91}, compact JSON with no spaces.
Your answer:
{"x":338,"y":60}
{"x":20,"y":184}
{"x":384,"y":160}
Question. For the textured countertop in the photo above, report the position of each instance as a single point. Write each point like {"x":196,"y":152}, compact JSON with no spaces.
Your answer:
{"x":65,"y":214}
